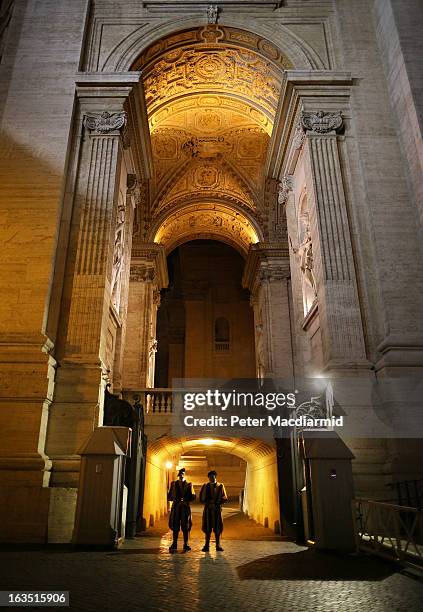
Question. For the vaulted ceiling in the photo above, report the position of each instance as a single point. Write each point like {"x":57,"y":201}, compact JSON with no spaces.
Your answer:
{"x":211,"y":95}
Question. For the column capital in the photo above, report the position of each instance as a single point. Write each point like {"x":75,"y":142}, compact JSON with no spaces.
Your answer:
{"x":265,"y":262}
{"x":105,"y":123}
{"x":321,"y":122}
{"x":148,"y":264}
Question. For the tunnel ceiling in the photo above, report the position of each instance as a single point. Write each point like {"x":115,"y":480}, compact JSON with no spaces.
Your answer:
{"x":251,"y":450}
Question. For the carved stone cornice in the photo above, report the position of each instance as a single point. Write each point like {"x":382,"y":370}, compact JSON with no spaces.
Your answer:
{"x":105,"y":123}
{"x":321,"y":122}
{"x":266,"y":262}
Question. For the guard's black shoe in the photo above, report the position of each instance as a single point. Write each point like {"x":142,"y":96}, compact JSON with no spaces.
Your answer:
{"x":219,"y":548}
{"x":173,"y":547}
{"x":186,"y":548}
{"x":205,"y":548}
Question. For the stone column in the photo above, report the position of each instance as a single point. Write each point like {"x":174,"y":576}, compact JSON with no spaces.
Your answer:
{"x":83,"y":324}
{"x":88,"y":290}
{"x":148,"y":275}
{"x":333,"y":263}
{"x":266,"y":275}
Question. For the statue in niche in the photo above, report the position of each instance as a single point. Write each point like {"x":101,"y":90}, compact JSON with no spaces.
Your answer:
{"x":118,"y":254}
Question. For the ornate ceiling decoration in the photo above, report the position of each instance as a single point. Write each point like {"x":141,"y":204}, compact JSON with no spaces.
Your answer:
{"x":211,"y":94}
{"x":212,"y":152}
{"x":207,"y":220}
{"x":213,"y":59}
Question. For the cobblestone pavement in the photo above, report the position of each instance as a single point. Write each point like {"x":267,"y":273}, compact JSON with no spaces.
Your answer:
{"x":249,"y":575}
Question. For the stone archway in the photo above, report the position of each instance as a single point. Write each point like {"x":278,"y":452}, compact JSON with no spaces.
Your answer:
{"x":184,"y":154}
{"x":260,"y":500}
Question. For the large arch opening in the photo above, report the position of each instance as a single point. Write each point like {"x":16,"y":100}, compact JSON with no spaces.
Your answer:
{"x":212,"y":95}
{"x":205,"y":324}
{"x":248,"y":465}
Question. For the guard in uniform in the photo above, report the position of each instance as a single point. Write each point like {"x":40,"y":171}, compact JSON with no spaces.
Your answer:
{"x":213,"y":495}
{"x":180,"y":493}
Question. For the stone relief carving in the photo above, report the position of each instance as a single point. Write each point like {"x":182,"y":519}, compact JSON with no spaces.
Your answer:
{"x":321,"y":122}
{"x":106,"y":122}
{"x":260,"y":349}
{"x":212,"y":14}
{"x":218,"y":34}
{"x":229,"y":70}
{"x":285,"y":188}
{"x":152,"y":348}
{"x":210,"y":220}
{"x":140,"y":273}
{"x":299,"y":136}
{"x":305,"y":253}
{"x":118,"y":254}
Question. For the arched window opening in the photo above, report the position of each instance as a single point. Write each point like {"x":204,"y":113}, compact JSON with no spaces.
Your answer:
{"x":221,"y":335}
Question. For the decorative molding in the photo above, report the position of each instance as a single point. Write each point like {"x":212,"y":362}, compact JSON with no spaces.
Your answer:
{"x":321,"y":122}
{"x":207,"y":220}
{"x":106,"y":122}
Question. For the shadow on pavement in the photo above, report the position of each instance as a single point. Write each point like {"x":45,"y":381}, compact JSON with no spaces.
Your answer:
{"x":313,"y":565}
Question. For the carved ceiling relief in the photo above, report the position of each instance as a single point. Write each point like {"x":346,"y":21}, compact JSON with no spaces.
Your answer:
{"x":211,"y":94}
{"x":207,"y":220}
{"x":214,"y":150}
{"x":233,"y":71}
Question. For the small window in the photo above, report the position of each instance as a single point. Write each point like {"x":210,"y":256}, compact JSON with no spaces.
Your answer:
{"x":221,"y":335}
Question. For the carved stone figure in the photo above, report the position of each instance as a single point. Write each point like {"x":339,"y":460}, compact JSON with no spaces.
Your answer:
{"x":118,"y":253}
{"x":212,"y":13}
{"x":305,"y":252}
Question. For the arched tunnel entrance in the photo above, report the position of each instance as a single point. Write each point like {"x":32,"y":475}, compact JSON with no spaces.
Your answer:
{"x":248,"y":468}
{"x":208,"y":292}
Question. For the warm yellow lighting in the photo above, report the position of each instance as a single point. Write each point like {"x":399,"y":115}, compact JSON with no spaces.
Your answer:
{"x":169,"y":465}
{"x":207,"y":220}
{"x":207,"y":441}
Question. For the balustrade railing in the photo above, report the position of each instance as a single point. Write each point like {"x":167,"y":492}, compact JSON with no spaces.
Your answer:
{"x":154,"y":401}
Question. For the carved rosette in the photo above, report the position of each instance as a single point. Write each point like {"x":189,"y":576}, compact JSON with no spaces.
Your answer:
{"x":321,"y":122}
{"x":105,"y":123}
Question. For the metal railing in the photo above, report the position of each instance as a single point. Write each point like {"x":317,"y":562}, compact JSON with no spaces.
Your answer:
{"x":389,"y":530}
{"x":409,"y":492}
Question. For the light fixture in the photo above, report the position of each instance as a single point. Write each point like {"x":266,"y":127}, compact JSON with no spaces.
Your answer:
{"x":169,"y":465}
{"x":207,"y":441}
